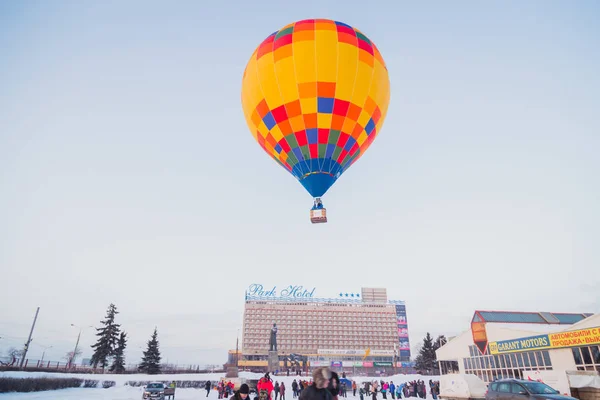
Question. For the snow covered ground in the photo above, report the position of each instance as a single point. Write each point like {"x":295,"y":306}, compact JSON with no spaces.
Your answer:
{"x":123,"y":392}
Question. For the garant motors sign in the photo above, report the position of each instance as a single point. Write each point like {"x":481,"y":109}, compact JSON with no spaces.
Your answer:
{"x":581,"y":337}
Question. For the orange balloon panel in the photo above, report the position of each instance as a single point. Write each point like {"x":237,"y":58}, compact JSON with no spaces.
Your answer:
{"x":315,"y":95}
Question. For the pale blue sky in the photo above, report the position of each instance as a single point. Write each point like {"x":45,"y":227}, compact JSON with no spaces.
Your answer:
{"x":128,"y":175}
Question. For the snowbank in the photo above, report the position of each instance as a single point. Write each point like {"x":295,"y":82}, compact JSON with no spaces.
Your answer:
{"x":121,"y":391}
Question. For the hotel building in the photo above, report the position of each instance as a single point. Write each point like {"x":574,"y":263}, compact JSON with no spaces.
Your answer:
{"x":358,"y":332}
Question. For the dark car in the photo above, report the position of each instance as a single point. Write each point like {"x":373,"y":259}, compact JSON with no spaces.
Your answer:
{"x":518,"y":389}
{"x":158,"y":390}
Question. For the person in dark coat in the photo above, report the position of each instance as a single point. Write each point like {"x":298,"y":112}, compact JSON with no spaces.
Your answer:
{"x":319,"y":389}
{"x":207,"y":386}
{"x":334,"y":385}
{"x":242,"y":393}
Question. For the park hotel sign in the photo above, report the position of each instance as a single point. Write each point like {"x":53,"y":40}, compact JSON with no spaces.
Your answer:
{"x":290,"y":292}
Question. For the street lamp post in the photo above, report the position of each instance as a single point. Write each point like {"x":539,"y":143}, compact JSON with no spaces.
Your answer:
{"x":76,"y":344}
{"x":44,"y":353}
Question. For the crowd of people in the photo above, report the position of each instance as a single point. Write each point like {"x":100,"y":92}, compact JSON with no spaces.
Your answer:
{"x":416,"y":388}
{"x":327,"y":385}
{"x":225,"y":389}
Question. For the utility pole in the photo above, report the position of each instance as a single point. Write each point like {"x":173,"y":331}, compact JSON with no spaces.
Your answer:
{"x":74,"y":355}
{"x":44,"y":353}
{"x":29,"y":339}
{"x":75,"y":351}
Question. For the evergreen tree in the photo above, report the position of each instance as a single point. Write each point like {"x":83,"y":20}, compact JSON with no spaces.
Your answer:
{"x":426,"y":360}
{"x":118,"y":365}
{"x":151,"y":360}
{"x":108,"y":337}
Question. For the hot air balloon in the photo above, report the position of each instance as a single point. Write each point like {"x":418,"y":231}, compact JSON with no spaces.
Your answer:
{"x":315,"y":94}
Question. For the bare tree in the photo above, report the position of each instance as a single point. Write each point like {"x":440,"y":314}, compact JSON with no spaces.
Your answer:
{"x":69,"y":355}
{"x":14,"y":355}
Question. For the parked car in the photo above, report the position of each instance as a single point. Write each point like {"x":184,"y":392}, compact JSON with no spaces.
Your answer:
{"x":158,"y":390}
{"x":518,"y":389}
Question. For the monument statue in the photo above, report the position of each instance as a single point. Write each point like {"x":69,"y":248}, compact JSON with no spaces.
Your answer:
{"x":273,"y":340}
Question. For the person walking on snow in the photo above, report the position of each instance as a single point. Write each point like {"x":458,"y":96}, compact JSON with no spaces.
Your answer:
{"x":282,"y":391}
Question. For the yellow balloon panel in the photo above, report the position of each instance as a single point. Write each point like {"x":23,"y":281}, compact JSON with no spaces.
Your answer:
{"x":326,"y":55}
{"x":286,"y":78}
{"x":268,"y":81}
{"x":346,"y":76}
{"x":317,"y":92}
{"x":304,"y":57}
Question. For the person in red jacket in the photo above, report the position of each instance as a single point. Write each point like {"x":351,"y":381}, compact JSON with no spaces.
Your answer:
{"x":265,"y":383}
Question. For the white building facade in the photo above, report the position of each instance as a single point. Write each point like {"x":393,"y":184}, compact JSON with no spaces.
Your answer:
{"x":520,"y":345}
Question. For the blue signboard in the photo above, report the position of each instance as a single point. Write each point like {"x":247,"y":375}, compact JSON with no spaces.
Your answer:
{"x":404,"y":354}
{"x":521,"y":344}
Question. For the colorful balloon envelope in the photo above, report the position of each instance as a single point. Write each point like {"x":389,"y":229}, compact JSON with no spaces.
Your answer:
{"x":315,"y":95}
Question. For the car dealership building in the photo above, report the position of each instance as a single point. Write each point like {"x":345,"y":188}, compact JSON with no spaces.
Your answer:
{"x":562,"y":349}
